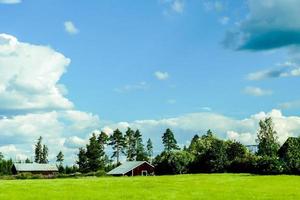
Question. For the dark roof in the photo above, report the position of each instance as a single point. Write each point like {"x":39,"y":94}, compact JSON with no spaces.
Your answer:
{"x":35,"y":167}
{"x":127,"y":167}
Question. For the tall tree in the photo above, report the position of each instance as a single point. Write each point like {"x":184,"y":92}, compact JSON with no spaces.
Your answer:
{"x":130,"y":143}
{"x":94,"y":154}
{"x":44,"y":158}
{"x":38,"y":150}
{"x":118,"y":143}
{"x":1,"y":156}
{"x":82,"y":161}
{"x":103,"y":140}
{"x":169,"y":141}
{"x":141,"y":154}
{"x":149,"y":147}
{"x":193,"y":144}
{"x":267,"y":139}
{"x":60,"y":158}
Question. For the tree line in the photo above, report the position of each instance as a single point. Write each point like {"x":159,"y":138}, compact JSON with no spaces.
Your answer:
{"x":204,"y":154}
{"x":93,"y":157}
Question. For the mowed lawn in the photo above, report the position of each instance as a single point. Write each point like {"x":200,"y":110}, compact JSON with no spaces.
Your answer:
{"x":203,"y":186}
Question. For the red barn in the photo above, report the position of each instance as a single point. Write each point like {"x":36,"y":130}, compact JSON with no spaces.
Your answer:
{"x":133,"y":168}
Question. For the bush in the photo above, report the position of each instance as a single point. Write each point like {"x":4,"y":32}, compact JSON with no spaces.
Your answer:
{"x":243,"y":165}
{"x":269,"y":165}
{"x":24,"y":176}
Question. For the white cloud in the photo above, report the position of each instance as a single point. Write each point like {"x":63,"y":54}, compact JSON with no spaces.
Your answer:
{"x":10,"y":1}
{"x":256,"y":91}
{"x":161,"y":75}
{"x":30,"y":89}
{"x":290,"y":105}
{"x":70,"y":28}
{"x":185,"y":126}
{"x":75,"y":142}
{"x":133,"y":87}
{"x":29,"y":76}
{"x":173,"y":6}
{"x":178,"y":6}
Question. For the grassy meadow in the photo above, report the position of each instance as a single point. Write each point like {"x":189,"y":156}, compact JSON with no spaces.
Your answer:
{"x":203,"y":186}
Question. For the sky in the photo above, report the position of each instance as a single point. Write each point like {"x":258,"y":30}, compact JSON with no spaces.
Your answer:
{"x":70,"y":68}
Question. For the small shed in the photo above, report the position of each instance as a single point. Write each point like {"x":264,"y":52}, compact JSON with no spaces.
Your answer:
{"x":133,"y":168}
{"x":35,"y":168}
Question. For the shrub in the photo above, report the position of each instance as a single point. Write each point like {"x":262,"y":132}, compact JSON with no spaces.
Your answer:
{"x":269,"y":165}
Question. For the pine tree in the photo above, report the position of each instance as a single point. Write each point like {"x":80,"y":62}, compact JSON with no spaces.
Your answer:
{"x":44,"y":158}
{"x":149,"y":149}
{"x":82,"y":161}
{"x":169,"y":141}
{"x":139,"y":147}
{"x":267,"y":138}
{"x":60,"y":158}
{"x":118,"y":143}
{"x":130,"y":144}
{"x":103,"y":140}
{"x":38,"y":151}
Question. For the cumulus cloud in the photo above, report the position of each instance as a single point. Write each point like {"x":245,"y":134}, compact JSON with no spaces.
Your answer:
{"x":256,"y":91}
{"x":29,"y":76}
{"x":70,"y":28}
{"x":185,"y":126}
{"x":32,"y":95}
{"x":10,"y":1}
{"x":270,"y":24}
{"x":161,"y":75}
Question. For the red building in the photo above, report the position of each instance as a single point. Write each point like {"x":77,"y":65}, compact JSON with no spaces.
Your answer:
{"x":133,"y":168}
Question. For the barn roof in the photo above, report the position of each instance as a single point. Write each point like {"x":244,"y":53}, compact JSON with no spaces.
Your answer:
{"x":35,"y":167}
{"x":126,"y":167}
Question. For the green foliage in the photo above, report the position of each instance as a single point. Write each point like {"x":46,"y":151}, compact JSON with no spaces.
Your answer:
{"x":175,"y":162}
{"x":267,"y":138}
{"x":130,"y":143}
{"x":38,"y":150}
{"x":235,"y":150}
{"x":94,"y":154}
{"x":269,"y":165}
{"x":5,"y":166}
{"x":210,"y":154}
{"x":169,"y":141}
{"x":290,"y":155}
{"x":41,"y":152}
{"x":82,"y":161}
{"x":149,"y":149}
{"x":118,"y":144}
{"x":141,"y":154}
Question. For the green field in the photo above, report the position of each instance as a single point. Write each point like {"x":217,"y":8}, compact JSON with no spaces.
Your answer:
{"x":214,"y":186}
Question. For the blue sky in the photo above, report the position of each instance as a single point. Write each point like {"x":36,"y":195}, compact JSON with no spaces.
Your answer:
{"x":147,"y":64}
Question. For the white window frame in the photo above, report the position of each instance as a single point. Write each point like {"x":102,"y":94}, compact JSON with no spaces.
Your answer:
{"x":144,"y":171}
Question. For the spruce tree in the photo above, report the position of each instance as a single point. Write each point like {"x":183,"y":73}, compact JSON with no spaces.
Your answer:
{"x":38,"y":150}
{"x":82,"y":161}
{"x":149,"y":149}
{"x":60,"y":158}
{"x":169,"y":141}
{"x":94,"y":154}
{"x":139,"y":147}
{"x":44,"y":158}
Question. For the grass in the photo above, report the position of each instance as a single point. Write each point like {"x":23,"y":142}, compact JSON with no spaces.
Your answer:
{"x":203,"y":186}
